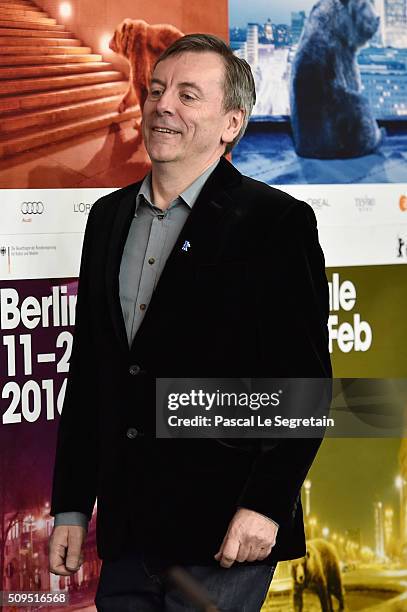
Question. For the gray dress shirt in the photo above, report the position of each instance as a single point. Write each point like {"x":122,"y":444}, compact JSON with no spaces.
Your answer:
{"x":151,"y":238}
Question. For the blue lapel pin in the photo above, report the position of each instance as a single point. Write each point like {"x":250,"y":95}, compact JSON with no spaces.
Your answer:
{"x":186,"y":245}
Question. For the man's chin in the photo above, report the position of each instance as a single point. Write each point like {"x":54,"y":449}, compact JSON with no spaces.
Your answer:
{"x":162,"y":158}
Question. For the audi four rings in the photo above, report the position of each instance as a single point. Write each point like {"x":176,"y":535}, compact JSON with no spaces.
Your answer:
{"x":32,"y":208}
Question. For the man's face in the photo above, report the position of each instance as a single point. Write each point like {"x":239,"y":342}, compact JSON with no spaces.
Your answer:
{"x":185,"y":97}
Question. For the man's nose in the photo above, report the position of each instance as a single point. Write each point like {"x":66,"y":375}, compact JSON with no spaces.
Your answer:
{"x":166,"y":103}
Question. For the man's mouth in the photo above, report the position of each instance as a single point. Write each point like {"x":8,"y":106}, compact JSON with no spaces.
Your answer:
{"x":162,"y":130}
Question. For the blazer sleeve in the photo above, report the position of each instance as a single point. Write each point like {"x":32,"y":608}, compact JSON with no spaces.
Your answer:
{"x":293,"y":343}
{"x":75,"y":468}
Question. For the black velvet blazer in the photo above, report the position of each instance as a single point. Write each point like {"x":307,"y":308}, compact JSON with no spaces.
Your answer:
{"x":249,"y":298}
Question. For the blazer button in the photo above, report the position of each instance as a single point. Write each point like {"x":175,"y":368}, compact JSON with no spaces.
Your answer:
{"x":132,"y":433}
{"x":134,"y":369}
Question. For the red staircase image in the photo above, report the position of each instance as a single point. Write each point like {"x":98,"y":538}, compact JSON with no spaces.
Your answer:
{"x":51,"y":86}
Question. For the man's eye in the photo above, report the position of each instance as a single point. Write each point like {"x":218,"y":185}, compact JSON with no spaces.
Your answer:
{"x":155,"y":93}
{"x":187,"y":97}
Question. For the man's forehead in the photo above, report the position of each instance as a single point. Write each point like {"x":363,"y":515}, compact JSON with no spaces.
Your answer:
{"x":190,"y":67}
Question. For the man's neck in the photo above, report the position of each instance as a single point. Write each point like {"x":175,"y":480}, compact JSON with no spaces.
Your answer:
{"x":168,"y":181}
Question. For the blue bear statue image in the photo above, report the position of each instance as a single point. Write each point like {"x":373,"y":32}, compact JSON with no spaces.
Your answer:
{"x":330,"y":118}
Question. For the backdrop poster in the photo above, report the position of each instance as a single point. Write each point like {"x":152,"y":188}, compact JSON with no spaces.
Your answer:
{"x":72,"y":76}
{"x":37,"y":321}
{"x":329,"y":127}
{"x":70,"y":133}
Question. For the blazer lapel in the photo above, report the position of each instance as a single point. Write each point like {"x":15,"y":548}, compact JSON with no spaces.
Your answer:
{"x":120,"y":229}
{"x":213,"y":203}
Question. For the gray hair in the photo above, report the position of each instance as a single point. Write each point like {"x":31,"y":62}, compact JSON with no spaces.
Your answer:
{"x":239,"y":91}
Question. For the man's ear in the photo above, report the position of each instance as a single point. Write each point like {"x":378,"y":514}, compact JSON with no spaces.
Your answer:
{"x":235,"y":120}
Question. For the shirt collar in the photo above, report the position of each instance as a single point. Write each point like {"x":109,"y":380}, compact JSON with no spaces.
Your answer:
{"x":189,"y":195}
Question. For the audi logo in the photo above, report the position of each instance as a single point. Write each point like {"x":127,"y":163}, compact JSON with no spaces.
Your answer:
{"x":32,"y":208}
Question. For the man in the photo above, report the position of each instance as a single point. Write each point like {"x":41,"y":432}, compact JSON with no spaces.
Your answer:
{"x":195,"y":272}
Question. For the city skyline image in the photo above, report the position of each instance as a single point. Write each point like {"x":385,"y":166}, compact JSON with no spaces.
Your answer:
{"x":354,"y":503}
{"x":270,"y":38}
{"x":240,"y":12}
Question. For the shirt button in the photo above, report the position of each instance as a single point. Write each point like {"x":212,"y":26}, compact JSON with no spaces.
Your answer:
{"x":134,"y":369}
{"x":142,"y":306}
{"x":160,"y":216}
{"x":151,"y":260}
{"x":132,"y":433}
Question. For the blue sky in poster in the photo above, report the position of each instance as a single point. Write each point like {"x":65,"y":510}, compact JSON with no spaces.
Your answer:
{"x":241,"y":11}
